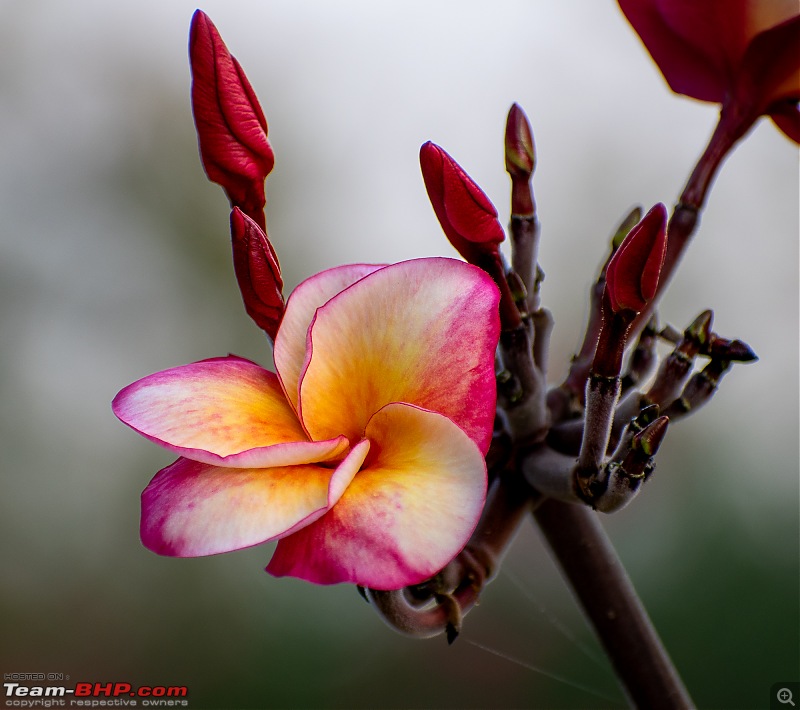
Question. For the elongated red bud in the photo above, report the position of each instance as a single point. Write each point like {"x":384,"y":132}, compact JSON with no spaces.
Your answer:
{"x":633,"y":272}
{"x":467,"y":216}
{"x":520,"y":162}
{"x":231,"y":128}
{"x":520,"y":149}
{"x":258,"y":272}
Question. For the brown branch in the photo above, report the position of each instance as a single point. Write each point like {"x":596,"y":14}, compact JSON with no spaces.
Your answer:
{"x":598,"y":580}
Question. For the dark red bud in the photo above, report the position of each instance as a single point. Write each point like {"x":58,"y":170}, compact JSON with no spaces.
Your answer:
{"x":231,"y":128}
{"x":649,"y":439}
{"x":730,"y":350}
{"x":520,"y":149}
{"x":467,"y":216}
{"x":258,"y":272}
{"x":633,"y":272}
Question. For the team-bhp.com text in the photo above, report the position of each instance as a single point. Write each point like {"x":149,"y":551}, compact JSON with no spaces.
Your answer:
{"x":95,"y":695}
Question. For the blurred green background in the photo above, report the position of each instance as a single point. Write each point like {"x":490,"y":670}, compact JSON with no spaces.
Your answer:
{"x":114,"y":263}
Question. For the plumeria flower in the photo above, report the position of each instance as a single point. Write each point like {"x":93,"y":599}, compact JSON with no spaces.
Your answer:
{"x":363,"y":454}
{"x":742,"y":54}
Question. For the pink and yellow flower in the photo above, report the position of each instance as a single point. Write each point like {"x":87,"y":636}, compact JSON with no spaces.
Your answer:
{"x":363,"y":455}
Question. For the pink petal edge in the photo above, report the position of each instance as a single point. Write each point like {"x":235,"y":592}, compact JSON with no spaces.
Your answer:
{"x":291,"y":341}
{"x":227,"y":411}
{"x":192,"y":509}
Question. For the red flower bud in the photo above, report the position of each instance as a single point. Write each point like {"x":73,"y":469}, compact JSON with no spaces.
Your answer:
{"x":633,"y":272}
{"x":258,"y":272}
{"x":520,"y":162}
{"x":520,"y":150}
{"x":467,"y":216}
{"x":231,"y":128}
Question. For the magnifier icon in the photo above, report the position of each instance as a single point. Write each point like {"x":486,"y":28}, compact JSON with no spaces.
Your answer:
{"x":785,"y":697}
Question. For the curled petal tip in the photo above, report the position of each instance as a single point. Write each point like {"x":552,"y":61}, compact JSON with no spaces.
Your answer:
{"x":519,"y":146}
{"x":467,"y":216}
{"x":634,"y":270}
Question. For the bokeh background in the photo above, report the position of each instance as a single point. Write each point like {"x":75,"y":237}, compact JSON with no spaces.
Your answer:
{"x":114,"y":263}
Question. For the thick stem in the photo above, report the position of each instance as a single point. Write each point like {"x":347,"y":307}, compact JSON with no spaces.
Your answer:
{"x":524,"y":256}
{"x":602,"y":395}
{"x":732,"y":126}
{"x":550,"y":472}
{"x":527,"y":415}
{"x":609,"y":600}
{"x":492,"y":264}
{"x":575,"y":384}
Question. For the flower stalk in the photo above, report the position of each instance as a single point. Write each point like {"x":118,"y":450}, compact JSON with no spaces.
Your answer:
{"x":520,"y":155}
{"x":607,"y":596}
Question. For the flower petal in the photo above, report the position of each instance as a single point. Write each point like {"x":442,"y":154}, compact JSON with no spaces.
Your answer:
{"x":225,"y":410}
{"x":422,"y":332}
{"x":408,"y":512}
{"x":290,"y":343}
{"x":697,"y":70}
{"x":700,"y":47}
{"x":192,"y":508}
{"x":770,"y":70}
{"x":787,"y":117}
